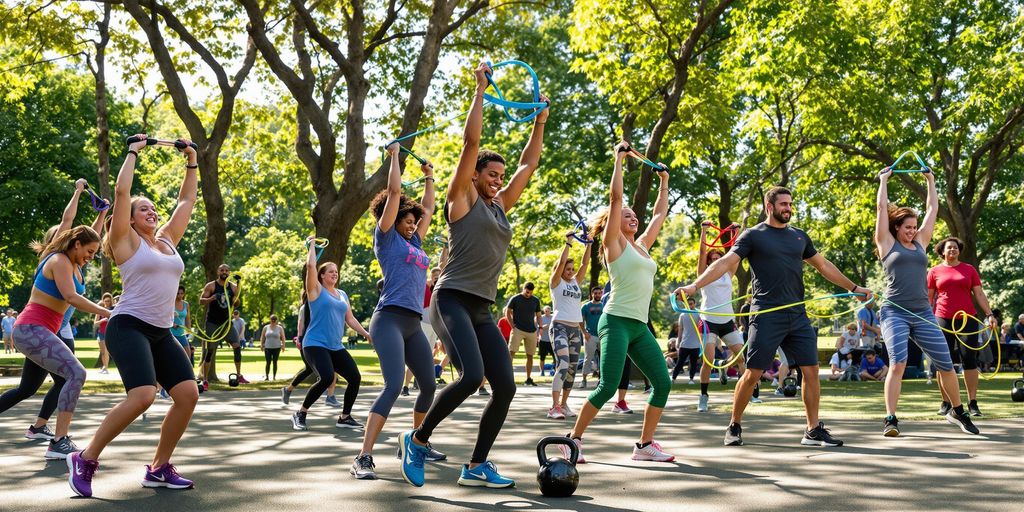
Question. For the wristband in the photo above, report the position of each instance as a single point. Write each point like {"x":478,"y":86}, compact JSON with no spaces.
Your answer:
{"x":133,"y":152}
{"x":187,"y":166}
{"x":854,"y":289}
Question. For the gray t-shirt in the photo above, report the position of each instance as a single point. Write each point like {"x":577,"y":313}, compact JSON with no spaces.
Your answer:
{"x":524,"y":312}
{"x":906,"y":272}
{"x":776,"y":257}
{"x":688,"y":336}
{"x":273,"y":337}
{"x":476,"y":251}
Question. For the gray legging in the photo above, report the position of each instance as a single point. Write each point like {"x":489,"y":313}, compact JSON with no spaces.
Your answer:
{"x":591,"y":361}
{"x":566,"y":342}
{"x":400,"y":342}
{"x":48,"y":354}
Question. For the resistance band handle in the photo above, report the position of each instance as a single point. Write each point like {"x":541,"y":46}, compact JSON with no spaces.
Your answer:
{"x":582,"y":239}
{"x":151,"y":141}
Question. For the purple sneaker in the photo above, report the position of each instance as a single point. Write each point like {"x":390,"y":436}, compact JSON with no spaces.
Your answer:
{"x":165,"y":476}
{"x":81,"y":471}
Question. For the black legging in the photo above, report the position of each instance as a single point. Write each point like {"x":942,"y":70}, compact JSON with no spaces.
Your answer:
{"x":463,"y":322}
{"x":271,"y":355}
{"x":32,"y":378}
{"x":326,"y":363}
{"x":305,"y":372}
{"x":693,"y":354}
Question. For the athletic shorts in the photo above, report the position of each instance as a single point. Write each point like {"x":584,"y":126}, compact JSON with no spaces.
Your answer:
{"x":527,"y":338}
{"x":789,"y":330}
{"x":231,"y":338}
{"x":146,"y":355}
{"x":101,"y":336}
{"x":545,"y":349}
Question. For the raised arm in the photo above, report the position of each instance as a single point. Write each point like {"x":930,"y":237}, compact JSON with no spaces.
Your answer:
{"x":883,"y":238}
{"x":123,"y":240}
{"x":187,"y":196}
{"x":427,"y":201}
{"x":702,"y":253}
{"x":931,"y":212}
{"x":581,"y":272}
{"x":387,"y":218}
{"x":660,"y":212}
{"x":312,"y":283}
{"x":98,"y":224}
{"x":528,"y":162}
{"x":830,"y":272}
{"x":556,"y":273}
{"x":461,"y":193}
{"x":611,"y":239}
{"x":67,"y":219}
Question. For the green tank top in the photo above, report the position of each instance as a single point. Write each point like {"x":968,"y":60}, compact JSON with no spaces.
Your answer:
{"x":632,"y":276}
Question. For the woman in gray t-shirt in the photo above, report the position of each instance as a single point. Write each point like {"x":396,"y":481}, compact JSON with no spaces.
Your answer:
{"x":271,"y":343}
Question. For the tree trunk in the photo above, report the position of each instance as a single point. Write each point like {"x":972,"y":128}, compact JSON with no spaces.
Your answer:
{"x":99,"y":72}
{"x":216,"y":228}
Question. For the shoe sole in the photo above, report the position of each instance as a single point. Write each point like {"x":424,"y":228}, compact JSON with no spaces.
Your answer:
{"x":56,"y":456}
{"x":39,"y":437}
{"x":465,"y":482}
{"x":643,"y":458}
{"x":71,"y":479}
{"x":815,"y":442}
{"x":737,"y":442}
{"x":155,"y":485}
{"x":401,"y":448}
{"x":344,"y":425}
{"x":891,"y":433}
{"x":963,"y":428}
{"x":299,"y":428}
{"x":371,"y":476}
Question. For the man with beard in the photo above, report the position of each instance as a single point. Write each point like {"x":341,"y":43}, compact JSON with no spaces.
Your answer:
{"x":216,"y":297}
{"x":776,"y":252}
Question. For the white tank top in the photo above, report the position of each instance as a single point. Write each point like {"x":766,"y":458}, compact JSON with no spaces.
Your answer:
{"x":717,"y":295}
{"x":150,"y":284}
{"x":566,"y":298}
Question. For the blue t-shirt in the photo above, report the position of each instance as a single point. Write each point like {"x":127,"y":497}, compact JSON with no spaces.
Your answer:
{"x":405,"y":269}
{"x":868,"y":316}
{"x":591,"y":315}
{"x":326,"y":320}
{"x":872,"y":368}
{"x":8,"y":324}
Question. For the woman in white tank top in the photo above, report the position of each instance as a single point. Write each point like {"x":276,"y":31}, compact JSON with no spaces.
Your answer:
{"x":138,"y":334}
{"x":566,"y":326}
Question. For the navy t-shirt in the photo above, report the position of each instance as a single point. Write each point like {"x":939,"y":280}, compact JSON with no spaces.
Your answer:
{"x":405,"y":269}
{"x":524,"y":312}
{"x":776,"y":257}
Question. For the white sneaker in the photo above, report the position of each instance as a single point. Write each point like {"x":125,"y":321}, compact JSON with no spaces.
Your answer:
{"x":567,"y":453}
{"x":555,"y":413}
{"x":691,"y":382}
{"x":652,"y":452}
{"x":702,"y":403}
{"x":569,"y":413}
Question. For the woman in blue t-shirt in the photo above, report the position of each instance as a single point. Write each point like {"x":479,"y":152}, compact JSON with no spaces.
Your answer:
{"x":329,"y":312}
{"x":402,"y":223}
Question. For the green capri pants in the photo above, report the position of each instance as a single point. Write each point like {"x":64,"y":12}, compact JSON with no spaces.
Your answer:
{"x":619,"y":336}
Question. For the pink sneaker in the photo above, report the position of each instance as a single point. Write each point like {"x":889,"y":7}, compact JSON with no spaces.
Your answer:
{"x":622,"y":408}
{"x":242,"y":380}
{"x":567,"y":453}
{"x":652,"y":452}
{"x":555,"y":413}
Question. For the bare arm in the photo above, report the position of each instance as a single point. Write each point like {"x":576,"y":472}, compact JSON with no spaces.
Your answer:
{"x":702,"y":253}
{"x":187,"y":196}
{"x":660,"y":213}
{"x":312,"y":283}
{"x":830,"y":272}
{"x":123,"y":240}
{"x":97,"y":225}
{"x":556,"y":273}
{"x":188,"y":315}
{"x":581,"y":273}
{"x":207,"y":296}
{"x":508,"y":314}
{"x":528,"y":163}
{"x":63,"y":277}
{"x":351,"y":321}
{"x":713,"y":272}
{"x":883,"y":238}
{"x":461,"y":193}
{"x":979,"y":295}
{"x":388,"y":217}
{"x":428,"y":200}
{"x":612,"y":239}
{"x":924,"y":233}
{"x":67,"y":219}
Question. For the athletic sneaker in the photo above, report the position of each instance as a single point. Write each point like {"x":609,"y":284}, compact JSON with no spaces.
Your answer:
{"x":362,"y":468}
{"x":242,"y":379}
{"x":778,"y":392}
{"x":483,"y":391}
{"x":567,"y":452}
{"x":648,"y":390}
{"x":42,"y":432}
{"x":348,"y":422}
{"x":299,"y":421}
{"x":206,"y":385}
{"x":484,"y":475}
{"x":756,"y":400}
{"x":555,"y":413}
{"x":166,"y":476}
{"x":164,"y":395}
{"x":433,"y":455}
{"x":702,"y":403}
{"x":690,"y":383}
{"x":734,"y":435}
{"x":332,"y":401}
{"x":569,"y":413}
{"x":819,"y":436}
{"x":405,"y":390}
{"x":441,"y":381}
{"x":972,"y":407}
{"x":104,"y":371}
{"x":80,"y":474}
{"x":963,"y":421}
{"x":583,"y":384}
{"x":529,"y":382}
{"x":412,"y":456}
{"x":651,"y":452}
{"x":622,"y":408}
{"x":891,"y":427}
{"x":59,"y":449}
{"x":724,"y":378}
{"x":945,"y":408}
{"x":285,"y":395}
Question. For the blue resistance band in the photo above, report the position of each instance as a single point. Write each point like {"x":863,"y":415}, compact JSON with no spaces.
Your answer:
{"x":98,"y":203}
{"x":537,"y":106}
{"x":582,"y":238}
{"x":923,"y":167}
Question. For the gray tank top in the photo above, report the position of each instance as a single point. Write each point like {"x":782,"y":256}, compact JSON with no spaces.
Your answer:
{"x":906,"y":271}
{"x":477,"y":244}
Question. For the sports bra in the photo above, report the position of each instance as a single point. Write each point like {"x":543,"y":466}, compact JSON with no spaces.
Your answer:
{"x":48,"y":286}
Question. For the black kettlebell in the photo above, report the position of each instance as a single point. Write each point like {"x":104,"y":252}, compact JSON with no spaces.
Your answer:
{"x":199,"y":383}
{"x":1017,"y":392}
{"x":789,"y":387}
{"x":233,"y":380}
{"x":557,"y":477}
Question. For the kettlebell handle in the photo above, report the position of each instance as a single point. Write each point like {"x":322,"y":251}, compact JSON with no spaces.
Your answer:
{"x":1019,"y":383}
{"x":788,"y":380}
{"x":542,"y":458}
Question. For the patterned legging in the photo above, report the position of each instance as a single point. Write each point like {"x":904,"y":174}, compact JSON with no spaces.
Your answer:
{"x":566,"y":340}
{"x":49,"y":354}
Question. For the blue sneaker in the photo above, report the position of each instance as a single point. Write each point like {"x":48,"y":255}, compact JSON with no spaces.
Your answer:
{"x":412,"y":456}
{"x":484,"y":475}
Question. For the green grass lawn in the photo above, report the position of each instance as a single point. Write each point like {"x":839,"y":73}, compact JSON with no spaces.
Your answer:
{"x":839,"y":399}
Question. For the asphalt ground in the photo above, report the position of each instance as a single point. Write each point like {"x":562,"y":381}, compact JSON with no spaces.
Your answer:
{"x":242,"y":453}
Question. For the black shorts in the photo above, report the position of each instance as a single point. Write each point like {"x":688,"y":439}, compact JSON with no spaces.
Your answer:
{"x":545,"y":348}
{"x":791,"y":330}
{"x":146,"y":355}
{"x":721,"y":330}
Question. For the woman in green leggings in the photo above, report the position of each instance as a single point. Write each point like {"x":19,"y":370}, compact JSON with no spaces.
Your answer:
{"x":623,"y":325}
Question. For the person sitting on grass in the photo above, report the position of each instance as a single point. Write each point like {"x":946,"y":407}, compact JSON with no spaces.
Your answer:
{"x":872,"y":367}
{"x":843,"y":367}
